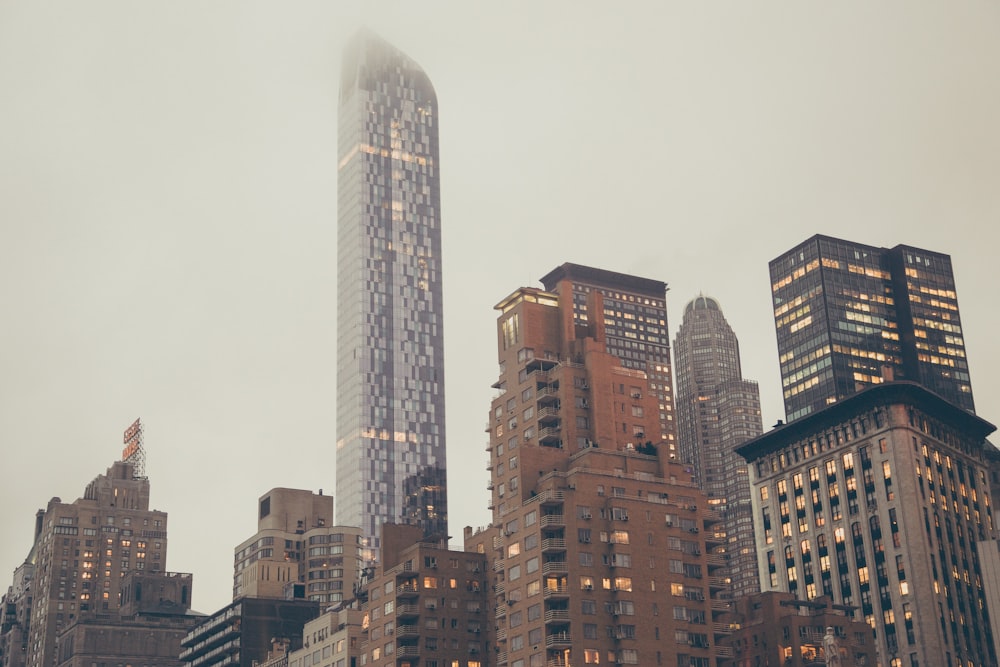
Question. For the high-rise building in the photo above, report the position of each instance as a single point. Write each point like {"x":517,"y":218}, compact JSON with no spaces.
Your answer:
{"x":15,"y":616}
{"x":601,"y":547}
{"x":850,"y":315}
{"x":634,"y":315}
{"x":779,"y":629}
{"x":83,"y":549}
{"x":155,"y":615}
{"x":426,"y":605}
{"x":297,"y":543}
{"x":881,"y":502}
{"x":246,"y":632}
{"x":717,"y":410}
{"x":390,"y":339}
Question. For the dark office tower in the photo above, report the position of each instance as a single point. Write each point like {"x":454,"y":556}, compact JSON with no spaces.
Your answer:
{"x":717,"y":410}
{"x":635,"y":328}
{"x":849,"y":316}
{"x":390,"y":367}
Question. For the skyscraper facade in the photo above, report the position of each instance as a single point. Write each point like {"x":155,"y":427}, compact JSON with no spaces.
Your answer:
{"x":717,"y":410}
{"x":634,"y":317}
{"x":297,"y":543}
{"x":849,"y":315}
{"x":882,"y":502}
{"x":602,"y":548}
{"x":82,"y":551}
{"x":390,"y":352}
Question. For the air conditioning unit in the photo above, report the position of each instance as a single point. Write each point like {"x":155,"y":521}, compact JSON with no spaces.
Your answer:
{"x":585,"y":540}
{"x":694,"y":530}
{"x":432,"y":606}
{"x":476,"y":570}
{"x":588,"y":587}
{"x":670,"y":524}
{"x":587,"y":515}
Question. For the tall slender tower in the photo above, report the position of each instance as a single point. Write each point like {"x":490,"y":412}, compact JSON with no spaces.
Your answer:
{"x":390,"y":367}
{"x":849,"y":315}
{"x":717,"y":410}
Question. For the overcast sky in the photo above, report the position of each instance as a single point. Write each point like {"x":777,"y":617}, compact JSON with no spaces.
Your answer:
{"x":168,"y":210}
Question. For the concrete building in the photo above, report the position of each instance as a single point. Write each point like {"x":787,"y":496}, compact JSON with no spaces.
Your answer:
{"x":334,"y":639}
{"x":634,"y":315}
{"x":390,"y":337}
{"x":602,"y":550}
{"x":83,"y":549}
{"x":718,"y":410}
{"x":243,"y":633}
{"x":154,"y":616}
{"x":779,"y":629}
{"x":297,"y":542}
{"x":880,"y":502}
{"x":849,"y":315}
{"x":426,"y":605}
{"x":15,"y":616}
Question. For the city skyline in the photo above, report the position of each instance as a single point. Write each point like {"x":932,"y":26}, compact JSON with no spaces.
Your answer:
{"x":169,"y":211}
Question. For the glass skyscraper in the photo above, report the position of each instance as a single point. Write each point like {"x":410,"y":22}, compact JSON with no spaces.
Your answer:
{"x":390,"y":352}
{"x":849,"y":316}
{"x":717,"y":411}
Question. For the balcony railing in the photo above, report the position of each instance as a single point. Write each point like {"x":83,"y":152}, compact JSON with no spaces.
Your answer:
{"x":557,"y":616}
{"x":553,"y":544}
{"x":555,"y":567}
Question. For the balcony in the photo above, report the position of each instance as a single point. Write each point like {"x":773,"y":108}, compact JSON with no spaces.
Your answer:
{"x":557,"y":616}
{"x":549,"y":497}
{"x":547,"y":396}
{"x":501,"y":609}
{"x":406,"y":631}
{"x":716,"y":561}
{"x":540,"y":377}
{"x":553,"y":521}
{"x":556,"y":662}
{"x":407,"y":610}
{"x":558,"y":640}
{"x":722,"y":629}
{"x":501,"y":658}
{"x":548,"y":415}
{"x":406,"y":571}
{"x":501,"y":634}
{"x":555,"y":567}
{"x":553,"y":544}
{"x":407,"y":651}
{"x":498,"y":565}
{"x":723,"y":651}
{"x":718,"y":583}
{"x":720,"y":605}
{"x":548,"y":435}
{"x":500,"y":588}
{"x":555,"y":592}
{"x":407,"y":590}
